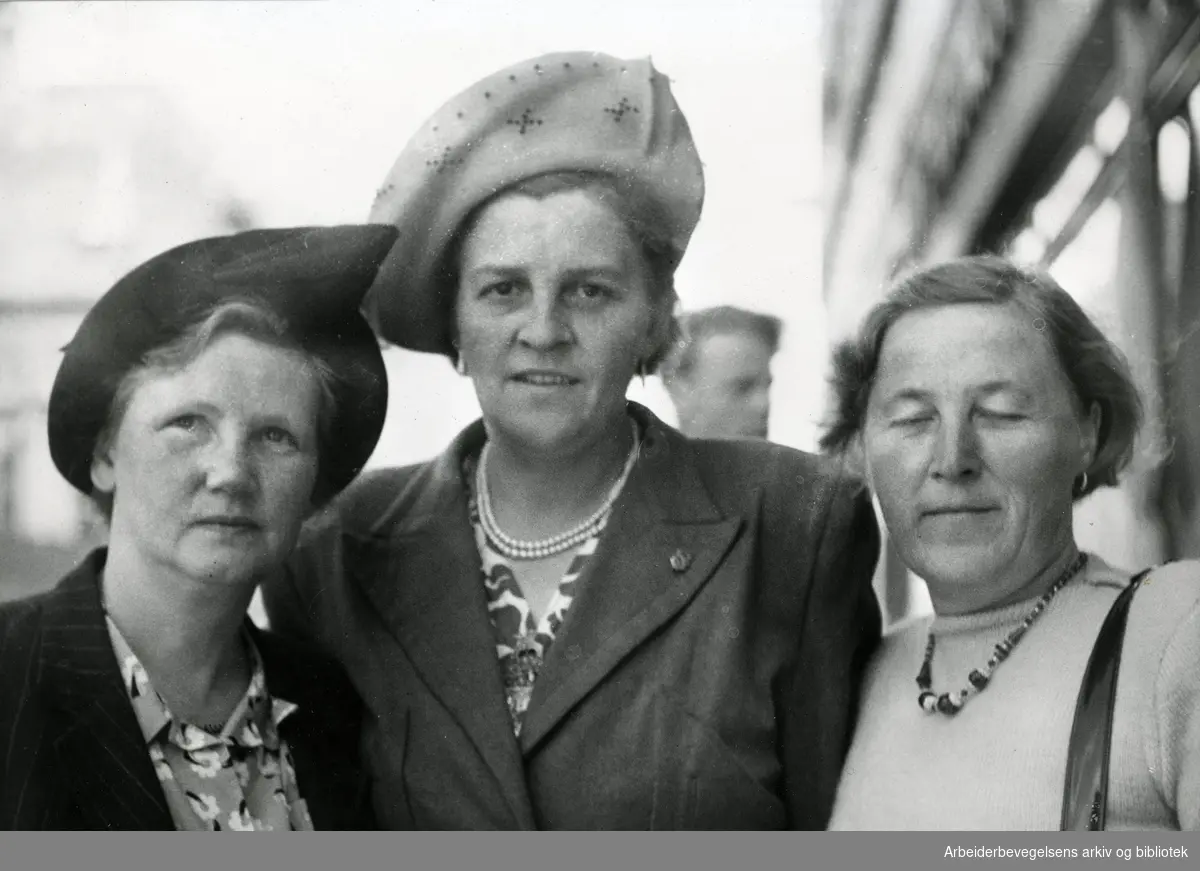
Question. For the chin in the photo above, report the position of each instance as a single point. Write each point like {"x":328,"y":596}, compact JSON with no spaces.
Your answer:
{"x":956,"y":566}
{"x":225,"y":568}
{"x":545,"y":430}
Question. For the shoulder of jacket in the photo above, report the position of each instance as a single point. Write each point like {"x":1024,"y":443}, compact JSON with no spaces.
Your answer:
{"x":20,"y":643}
{"x":801,"y":496}
{"x":770,"y":465}
{"x":21,"y":613}
{"x":368,"y":496}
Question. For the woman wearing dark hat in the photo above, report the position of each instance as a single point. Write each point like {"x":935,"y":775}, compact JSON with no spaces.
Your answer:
{"x":207,"y":403}
{"x":575,"y":618}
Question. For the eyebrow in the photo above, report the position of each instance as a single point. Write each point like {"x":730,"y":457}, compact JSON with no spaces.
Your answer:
{"x":493,"y":269}
{"x":506,"y":271}
{"x":908,"y":394}
{"x":611,"y":272}
{"x":993,"y":387}
{"x":268,"y":418}
{"x":990,"y":388}
{"x":277,"y":419}
{"x":187,"y":404}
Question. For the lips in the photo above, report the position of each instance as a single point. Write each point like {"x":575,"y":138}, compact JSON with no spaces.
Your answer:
{"x":945,"y":510}
{"x":228,"y":521}
{"x":544,"y":378}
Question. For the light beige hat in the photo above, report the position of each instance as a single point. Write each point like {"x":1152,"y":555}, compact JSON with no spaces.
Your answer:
{"x":577,"y":111}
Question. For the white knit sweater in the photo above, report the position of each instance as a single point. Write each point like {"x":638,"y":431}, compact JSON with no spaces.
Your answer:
{"x":999,"y":763}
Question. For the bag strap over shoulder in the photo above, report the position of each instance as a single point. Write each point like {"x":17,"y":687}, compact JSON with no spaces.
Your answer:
{"x":1085,"y":793}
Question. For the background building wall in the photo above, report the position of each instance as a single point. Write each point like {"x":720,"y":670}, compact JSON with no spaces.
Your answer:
{"x":93,"y":179}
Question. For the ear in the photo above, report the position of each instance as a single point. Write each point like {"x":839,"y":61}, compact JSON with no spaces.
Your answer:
{"x":856,"y":459}
{"x":1089,"y":436}
{"x":662,"y":328}
{"x":103,"y":474}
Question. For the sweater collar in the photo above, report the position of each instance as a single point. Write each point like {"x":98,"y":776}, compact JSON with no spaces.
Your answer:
{"x":1097,"y":573}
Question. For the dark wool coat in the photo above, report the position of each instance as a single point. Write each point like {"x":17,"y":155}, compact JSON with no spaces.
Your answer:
{"x":705,"y":677}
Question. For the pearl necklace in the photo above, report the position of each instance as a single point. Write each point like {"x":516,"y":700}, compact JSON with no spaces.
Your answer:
{"x":518,"y":549}
{"x":951,"y":703}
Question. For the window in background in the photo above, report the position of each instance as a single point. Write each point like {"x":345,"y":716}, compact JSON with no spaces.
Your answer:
{"x":7,"y":463}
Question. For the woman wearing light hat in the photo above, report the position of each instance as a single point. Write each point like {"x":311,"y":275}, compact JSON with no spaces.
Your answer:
{"x":575,"y":618}
{"x":207,"y":403}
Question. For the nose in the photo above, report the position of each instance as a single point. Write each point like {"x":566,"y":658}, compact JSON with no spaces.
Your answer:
{"x":957,"y":452}
{"x":229,"y":466}
{"x":543,"y":327}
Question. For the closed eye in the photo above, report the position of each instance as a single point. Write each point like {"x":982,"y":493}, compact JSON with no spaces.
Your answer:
{"x":1006,"y":416}
{"x":913,"y":420}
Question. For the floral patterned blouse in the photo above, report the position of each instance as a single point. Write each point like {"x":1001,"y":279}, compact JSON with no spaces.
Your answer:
{"x":521,"y":641}
{"x":237,"y":778}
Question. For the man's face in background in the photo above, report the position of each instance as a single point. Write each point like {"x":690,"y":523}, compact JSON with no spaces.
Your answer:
{"x":726,"y":392}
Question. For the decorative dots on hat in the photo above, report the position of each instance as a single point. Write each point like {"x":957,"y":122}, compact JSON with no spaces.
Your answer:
{"x":440,"y":164}
{"x":618,"y":111}
{"x":525,"y":121}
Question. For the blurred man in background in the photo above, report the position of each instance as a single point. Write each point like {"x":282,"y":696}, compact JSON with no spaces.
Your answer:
{"x":719,"y":377}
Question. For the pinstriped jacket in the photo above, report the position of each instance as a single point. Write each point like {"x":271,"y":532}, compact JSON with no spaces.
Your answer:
{"x":72,"y":755}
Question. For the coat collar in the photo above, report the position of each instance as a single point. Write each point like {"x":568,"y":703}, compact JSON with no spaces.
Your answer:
{"x":438,"y":493}
{"x":102,"y":745}
{"x":419,"y":565}
{"x":664,"y":541}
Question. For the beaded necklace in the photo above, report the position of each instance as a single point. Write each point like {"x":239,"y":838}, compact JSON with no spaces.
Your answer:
{"x":519,"y":549}
{"x":951,"y":703}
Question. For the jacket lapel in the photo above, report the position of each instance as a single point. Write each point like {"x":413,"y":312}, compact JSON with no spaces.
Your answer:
{"x":664,"y":541}
{"x":102,"y":753}
{"x":421,"y":570}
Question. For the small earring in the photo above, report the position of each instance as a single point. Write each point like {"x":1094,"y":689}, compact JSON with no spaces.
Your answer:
{"x":1083,"y":483}
{"x":641,"y":371}
{"x":460,"y":365}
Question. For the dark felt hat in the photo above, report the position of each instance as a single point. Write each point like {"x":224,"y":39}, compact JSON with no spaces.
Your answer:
{"x":313,"y":278}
